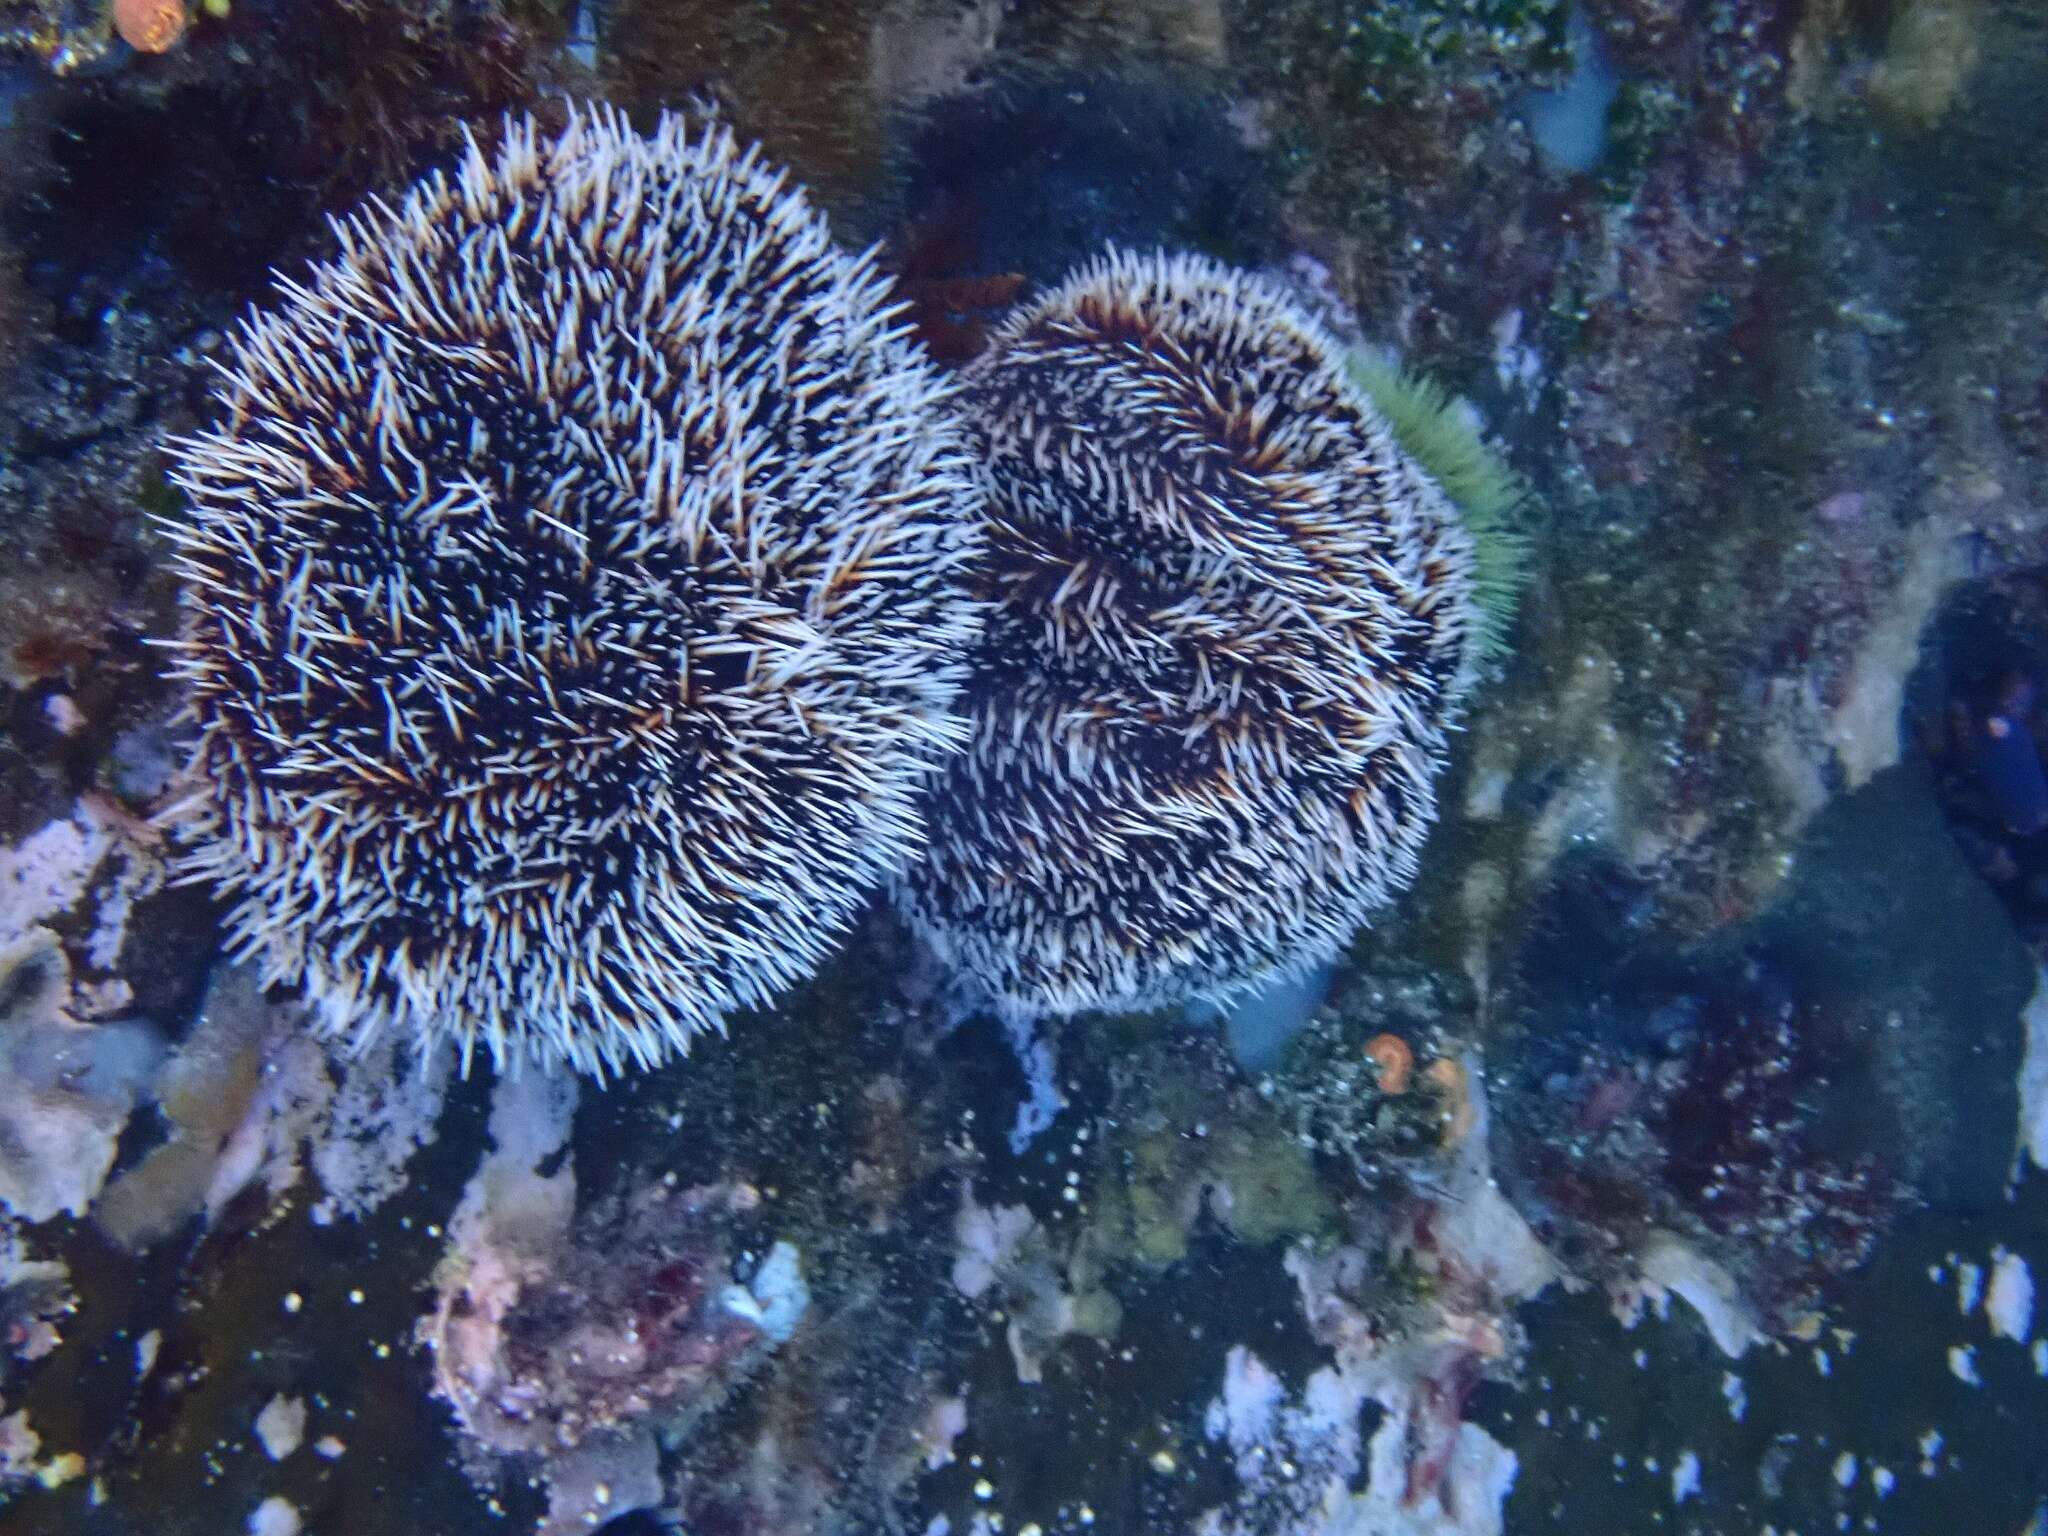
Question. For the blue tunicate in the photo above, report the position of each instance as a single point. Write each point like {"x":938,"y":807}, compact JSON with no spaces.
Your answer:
{"x":1570,"y":123}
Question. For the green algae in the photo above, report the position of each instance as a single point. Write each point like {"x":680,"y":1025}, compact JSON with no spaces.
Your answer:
{"x":1442,"y":435}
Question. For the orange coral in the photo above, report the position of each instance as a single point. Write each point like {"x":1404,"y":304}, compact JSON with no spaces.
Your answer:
{"x":1395,"y":1059}
{"x":150,"y":26}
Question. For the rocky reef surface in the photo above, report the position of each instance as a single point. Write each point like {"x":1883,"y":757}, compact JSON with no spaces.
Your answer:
{"x":1670,"y":1157}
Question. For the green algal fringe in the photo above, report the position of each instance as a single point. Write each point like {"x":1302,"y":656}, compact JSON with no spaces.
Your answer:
{"x":1490,"y":497}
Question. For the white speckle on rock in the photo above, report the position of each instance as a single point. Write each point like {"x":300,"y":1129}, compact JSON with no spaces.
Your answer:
{"x":2033,"y":1078}
{"x":274,"y":1517}
{"x":62,"y":715}
{"x":1670,"y":1266}
{"x":2009,"y":1304}
{"x":385,"y":1109}
{"x":1685,"y":1477}
{"x":281,"y":1426}
{"x":1845,"y":1469}
{"x":1962,"y":1364}
{"x":1735,"y":1395}
{"x":1969,"y":1287}
{"x":943,"y":1425}
{"x":985,"y":1238}
{"x":777,"y":1297}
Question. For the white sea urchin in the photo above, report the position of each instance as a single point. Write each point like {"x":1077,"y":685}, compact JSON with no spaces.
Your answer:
{"x":1231,"y":623}
{"x":574,"y":600}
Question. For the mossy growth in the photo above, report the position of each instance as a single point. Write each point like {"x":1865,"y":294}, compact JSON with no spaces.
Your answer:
{"x":1646,"y":117}
{"x":1186,"y":1137}
{"x":1391,"y":52}
{"x":1443,"y":435}
{"x":1370,"y":105}
{"x":797,"y":75}
{"x":1271,"y":1187}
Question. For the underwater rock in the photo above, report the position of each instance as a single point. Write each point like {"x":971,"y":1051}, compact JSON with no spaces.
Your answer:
{"x":1308,"y":1465}
{"x":238,"y":1096}
{"x":70,"y":1083}
{"x":1720,"y":1146}
{"x":384,"y":1110}
{"x":604,"y":1479}
{"x":1034,"y":171}
{"x":549,"y":1332}
{"x":34,"y":1295}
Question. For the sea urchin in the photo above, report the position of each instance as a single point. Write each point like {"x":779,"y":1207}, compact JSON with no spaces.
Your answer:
{"x":1231,"y":620}
{"x":574,"y":600}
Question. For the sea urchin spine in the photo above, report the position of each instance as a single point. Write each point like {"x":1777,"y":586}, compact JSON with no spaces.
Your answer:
{"x":1231,"y":621}
{"x":574,"y":600}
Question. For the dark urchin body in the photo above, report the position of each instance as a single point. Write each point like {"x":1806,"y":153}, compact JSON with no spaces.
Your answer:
{"x":574,"y":601}
{"x":1230,"y":625}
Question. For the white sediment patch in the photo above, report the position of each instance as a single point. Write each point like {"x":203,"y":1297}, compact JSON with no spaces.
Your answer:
{"x":2009,"y":1303}
{"x":1669,"y":1266}
{"x":281,"y":1426}
{"x":1042,"y":1100}
{"x":1962,"y":1364}
{"x":2033,"y":1078}
{"x":1426,"y":1471}
{"x":48,"y":872}
{"x":943,"y":1424}
{"x":1685,"y":1477}
{"x":985,"y":1239}
{"x":1735,"y":1395}
{"x":386,"y":1109}
{"x":776,"y":1299}
{"x":1298,"y":1459}
{"x":508,"y":1201}
{"x":1969,"y":1287}
{"x":510,"y":1224}
{"x":1931,"y":1443}
{"x":71,"y":1083}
